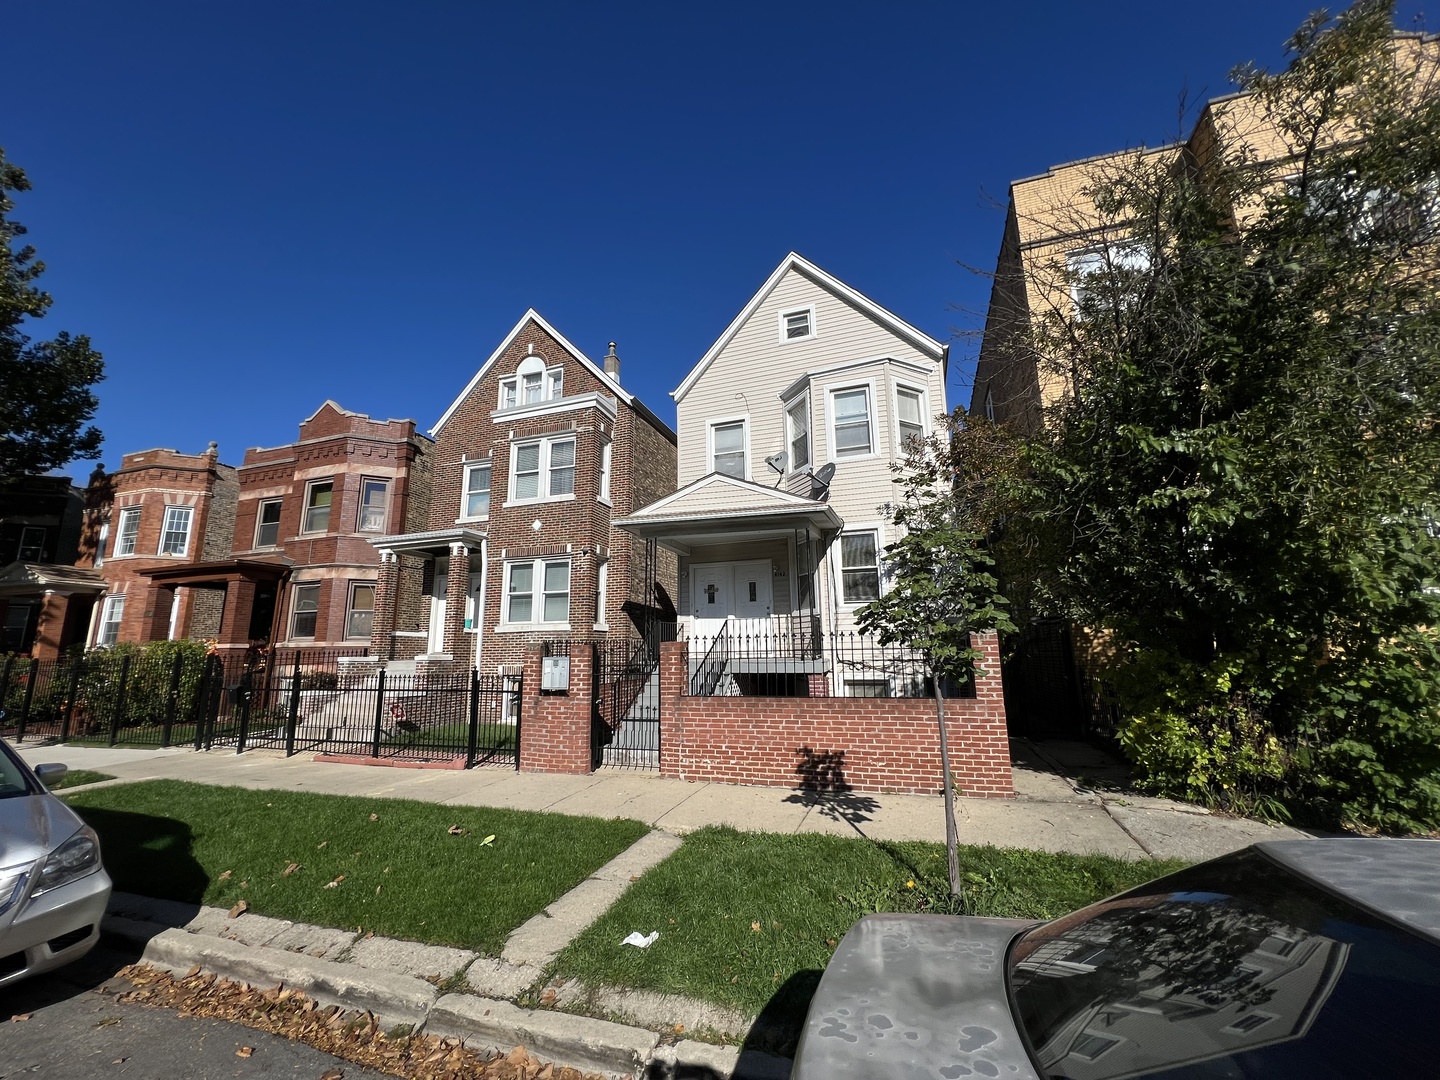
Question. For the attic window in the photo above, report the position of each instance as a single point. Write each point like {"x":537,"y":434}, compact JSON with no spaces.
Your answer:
{"x":797,"y":325}
{"x":532,"y":384}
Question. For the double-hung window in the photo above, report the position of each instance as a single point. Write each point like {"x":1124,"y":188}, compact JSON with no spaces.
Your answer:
{"x":543,"y":469}
{"x":267,"y":523}
{"x":532,"y":387}
{"x":850,"y":409}
{"x":374,"y":494}
{"x":318,"y":497}
{"x":797,"y":427}
{"x":110,"y":615}
{"x":859,"y":567}
{"x":360,"y":614}
{"x":537,"y":591}
{"x":128,"y":531}
{"x":32,"y":543}
{"x":606,"y":456}
{"x":727,"y":448}
{"x":477,"y":491}
{"x":306,"y":610}
{"x":175,"y":535}
{"x":909,"y":417}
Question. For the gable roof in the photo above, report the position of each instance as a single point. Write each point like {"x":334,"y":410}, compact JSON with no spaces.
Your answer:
{"x":533,"y":315}
{"x":739,"y":495}
{"x":896,"y":325}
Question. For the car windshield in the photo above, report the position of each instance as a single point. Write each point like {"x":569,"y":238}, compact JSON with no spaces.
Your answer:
{"x":13,"y":781}
{"x":1236,"y":969}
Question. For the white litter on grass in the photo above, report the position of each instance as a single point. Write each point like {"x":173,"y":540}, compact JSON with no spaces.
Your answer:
{"x":641,"y":941}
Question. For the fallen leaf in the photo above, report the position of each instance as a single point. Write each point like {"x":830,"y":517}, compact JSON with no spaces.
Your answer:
{"x":755,"y":926}
{"x":377,"y":890}
{"x":456,"y":830}
{"x":332,"y":1074}
{"x":679,"y":1028}
{"x":119,"y":1061}
{"x":547,"y":997}
{"x":226,"y":875}
{"x":634,"y":877}
{"x":239,"y":909}
{"x":19,"y":1018}
{"x":322,"y":845}
{"x":374,"y":817}
{"x":331,"y":884}
{"x":831,"y":942}
{"x":290,"y":869}
{"x":488,"y":840}
{"x":245,"y":1052}
{"x":244,"y":884}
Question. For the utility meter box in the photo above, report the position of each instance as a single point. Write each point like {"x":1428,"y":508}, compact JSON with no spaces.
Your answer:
{"x":555,"y":673}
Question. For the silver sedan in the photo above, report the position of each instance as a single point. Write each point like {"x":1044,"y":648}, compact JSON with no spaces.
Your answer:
{"x":53,"y":888}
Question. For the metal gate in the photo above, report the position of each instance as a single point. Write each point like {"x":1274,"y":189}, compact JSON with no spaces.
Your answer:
{"x":1042,"y":687}
{"x":625,"y":726}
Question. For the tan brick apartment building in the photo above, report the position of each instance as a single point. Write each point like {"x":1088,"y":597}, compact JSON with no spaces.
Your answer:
{"x":531,"y":462}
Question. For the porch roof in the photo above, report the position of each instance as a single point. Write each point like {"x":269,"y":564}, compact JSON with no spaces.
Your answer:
{"x":24,"y":578}
{"x":717,"y":509}
{"x":435,"y":542}
{"x":221,"y":571}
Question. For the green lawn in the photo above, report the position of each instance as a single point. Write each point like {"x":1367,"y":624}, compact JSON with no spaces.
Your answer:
{"x":401,"y":874}
{"x":77,"y":777}
{"x":749,"y":920}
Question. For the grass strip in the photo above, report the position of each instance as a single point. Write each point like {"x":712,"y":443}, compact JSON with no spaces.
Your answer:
{"x":77,"y":777}
{"x":391,"y":866}
{"x":749,"y":920}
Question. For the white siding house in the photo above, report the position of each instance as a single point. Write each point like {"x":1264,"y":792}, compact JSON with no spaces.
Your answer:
{"x":788,"y":427}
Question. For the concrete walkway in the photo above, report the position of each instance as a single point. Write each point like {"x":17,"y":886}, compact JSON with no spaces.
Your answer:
{"x":1069,"y":798}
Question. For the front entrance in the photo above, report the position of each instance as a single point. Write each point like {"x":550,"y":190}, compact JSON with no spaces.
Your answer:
{"x":435,"y":639}
{"x":739,"y":590}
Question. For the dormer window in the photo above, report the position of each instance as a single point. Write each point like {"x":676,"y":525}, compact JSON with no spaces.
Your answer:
{"x":797,"y":324}
{"x":532,"y":384}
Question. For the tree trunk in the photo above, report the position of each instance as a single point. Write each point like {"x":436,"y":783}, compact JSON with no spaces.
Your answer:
{"x":952,"y":833}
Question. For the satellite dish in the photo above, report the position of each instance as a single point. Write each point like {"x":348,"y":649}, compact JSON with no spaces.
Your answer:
{"x":820,"y":481}
{"x":778,"y":461}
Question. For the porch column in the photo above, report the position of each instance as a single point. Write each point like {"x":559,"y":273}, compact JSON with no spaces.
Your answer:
{"x":382,"y":625}
{"x":50,"y":626}
{"x":457,"y":589}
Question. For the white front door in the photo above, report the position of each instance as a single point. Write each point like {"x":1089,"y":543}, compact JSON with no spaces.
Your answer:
{"x":435,"y":642}
{"x":740,"y":592}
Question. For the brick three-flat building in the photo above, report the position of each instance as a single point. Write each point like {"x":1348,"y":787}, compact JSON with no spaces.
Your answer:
{"x":532,"y":461}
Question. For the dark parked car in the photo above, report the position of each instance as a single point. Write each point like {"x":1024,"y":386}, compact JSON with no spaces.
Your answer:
{"x":53,"y":888}
{"x":1307,"y":959}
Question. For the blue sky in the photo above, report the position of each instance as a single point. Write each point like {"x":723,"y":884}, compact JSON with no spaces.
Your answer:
{"x":252,"y":207}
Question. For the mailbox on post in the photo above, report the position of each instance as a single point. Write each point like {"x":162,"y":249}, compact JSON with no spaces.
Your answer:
{"x":555,"y":673}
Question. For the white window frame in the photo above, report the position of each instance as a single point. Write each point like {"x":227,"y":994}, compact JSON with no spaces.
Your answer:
{"x":351,"y":610}
{"x":365,"y":484}
{"x":836,"y":454}
{"x":25,"y":531}
{"x":165,"y":529}
{"x":536,"y":595}
{"x":726,"y":421}
{"x":545,"y":478}
{"x":552,"y":388}
{"x":310,"y":486}
{"x":471,"y":468}
{"x":801,"y":403}
{"x":295,"y":610}
{"x":100,"y":542}
{"x":607,"y":456}
{"x":127,"y":538}
{"x":602,"y":586}
{"x":107,"y":627}
{"x":1100,"y":259}
{"x":805,"y":309}
{"x":840,"y":566}
{"x":924,"y":405}
{"x":869,"y":680}
{"x":989,"y":404}
{"x":260,"y":521}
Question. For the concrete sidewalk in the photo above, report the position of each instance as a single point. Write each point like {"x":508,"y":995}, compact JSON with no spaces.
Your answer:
{"x":1056,"y":808}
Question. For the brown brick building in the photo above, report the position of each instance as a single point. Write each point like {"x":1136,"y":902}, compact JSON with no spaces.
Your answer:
{"x":45,"y":600}
{"x":530,"y":464}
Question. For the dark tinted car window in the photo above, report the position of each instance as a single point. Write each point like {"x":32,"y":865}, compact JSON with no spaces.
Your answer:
{"x":1233,"y":969}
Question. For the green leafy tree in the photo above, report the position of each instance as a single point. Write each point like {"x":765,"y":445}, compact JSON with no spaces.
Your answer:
{"x":942,"y":587}
{"x":1242,"y":480}
{"x":45,"y":395}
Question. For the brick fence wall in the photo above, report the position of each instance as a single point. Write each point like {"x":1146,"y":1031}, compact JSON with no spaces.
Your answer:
{"x":865,"y":744}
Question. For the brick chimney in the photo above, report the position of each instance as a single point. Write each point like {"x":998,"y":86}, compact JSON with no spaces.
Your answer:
{"x":612,"y":363}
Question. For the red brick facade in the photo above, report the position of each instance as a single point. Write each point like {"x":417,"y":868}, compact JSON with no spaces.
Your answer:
{"x":465,"y":561}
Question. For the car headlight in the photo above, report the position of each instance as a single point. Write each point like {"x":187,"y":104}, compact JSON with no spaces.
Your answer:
{"x":76,"y":857}
{"x":12,"y":885}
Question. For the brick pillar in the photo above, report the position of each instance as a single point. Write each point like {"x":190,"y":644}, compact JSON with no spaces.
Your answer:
{"x":154,"y":622}
{"x":979,"y":739}
{"x":674,"y":680}
{"x":235,"y":617}
{"x":382,"y":624}
{"x":457,"y":588}
{"x":819,"y":684}
{"x":50,"y":626}
{"x":555,"y":725}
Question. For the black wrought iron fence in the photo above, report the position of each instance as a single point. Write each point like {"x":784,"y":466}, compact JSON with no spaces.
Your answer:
{"x":793,"y":659}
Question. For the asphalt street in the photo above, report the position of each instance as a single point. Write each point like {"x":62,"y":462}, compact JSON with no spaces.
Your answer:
{"x":74,"y":1030}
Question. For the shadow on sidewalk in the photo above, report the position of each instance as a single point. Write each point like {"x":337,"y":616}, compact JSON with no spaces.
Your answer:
{"x":823,"y":787}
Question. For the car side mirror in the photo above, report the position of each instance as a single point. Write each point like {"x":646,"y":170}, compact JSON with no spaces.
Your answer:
{"x":51,"y":772}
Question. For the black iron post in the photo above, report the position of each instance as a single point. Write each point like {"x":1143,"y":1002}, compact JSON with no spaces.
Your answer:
{"x":472,"y":747}
{"x":379,"y":715}
{"x":118,"y":709}
{"x":75,"y":667}
{"x":172,"y":699}
{"x":292,"y":717}
{"x":29,"y":697}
